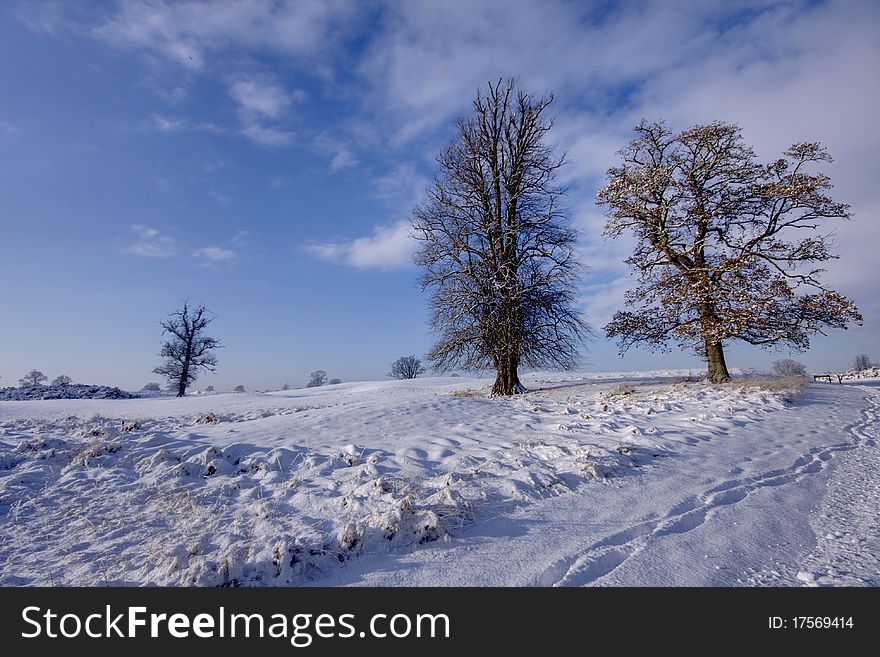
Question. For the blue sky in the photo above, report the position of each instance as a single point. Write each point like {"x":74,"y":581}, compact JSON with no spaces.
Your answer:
{"x":263,"y":158}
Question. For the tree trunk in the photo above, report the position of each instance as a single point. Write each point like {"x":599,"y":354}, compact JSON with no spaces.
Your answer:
{"x":181,"y":384}
{"x":507,"y":381}
{"x":717,"y":366}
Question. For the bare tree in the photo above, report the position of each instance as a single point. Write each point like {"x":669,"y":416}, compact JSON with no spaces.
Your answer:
{"x":723,"y":243}
{"x":789,"y":367}
{"x":286,"y":386}
{"x":188,"y":350}
{"x":496,"y":248}
{"x":317,"y":378}
{"x":406,"y":367}
{"x":862,"y":362}
{"x":32,"y":379}
{"x":151,"y":387}
{"x":333,"y":382}
{"x":61,"y":380}
{"x":209,"y":389}
{"x":238,"y":388}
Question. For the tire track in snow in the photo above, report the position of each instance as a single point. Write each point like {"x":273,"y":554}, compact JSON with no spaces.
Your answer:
{"x":604,"y":556}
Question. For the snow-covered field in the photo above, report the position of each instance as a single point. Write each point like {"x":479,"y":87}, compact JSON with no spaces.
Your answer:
{"x":616,"y":479}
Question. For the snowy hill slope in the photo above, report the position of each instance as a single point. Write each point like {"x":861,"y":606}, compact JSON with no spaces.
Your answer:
{"x":379,"y":482}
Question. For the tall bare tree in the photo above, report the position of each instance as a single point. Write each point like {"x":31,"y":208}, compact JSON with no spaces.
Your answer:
{"x":862,"y":362}
{"x":723,"y":243}
{"x":496,"y":248}
{"x":406,"y":367}
{"x":188,"y":351}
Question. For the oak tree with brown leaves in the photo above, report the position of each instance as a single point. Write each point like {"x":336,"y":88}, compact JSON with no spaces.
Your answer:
{"x":724,"y":245}
{"x":496,"y":248}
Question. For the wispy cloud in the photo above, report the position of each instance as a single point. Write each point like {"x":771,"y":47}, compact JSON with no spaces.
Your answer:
{"x":388,"y":247}
{"x":7,"y":128}
{"x":268,"y":136}
{"x":342,"y":160}
{"x":190,"y":33}
{"x":260,"y":100}
{"x":164,"y":124}
{"x":402,"y":185}
{"x":214,"y":254}
{"x":151,"y":243}
{"x":279,"y":181}
{"x":220,"y":197}
{"x":268,"y":100}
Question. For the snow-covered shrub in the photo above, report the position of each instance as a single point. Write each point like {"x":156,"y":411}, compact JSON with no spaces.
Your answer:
{"x":68,"y":391}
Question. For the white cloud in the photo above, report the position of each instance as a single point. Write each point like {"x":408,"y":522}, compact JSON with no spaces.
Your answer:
{"x":214,"y":254}
{"x":151,"y":243}
{"x":342,"y":160}
{"x":388,"y":247}
{"x":268,"y":100}
{"x":260,"y":100}
{"x":190,"y":33}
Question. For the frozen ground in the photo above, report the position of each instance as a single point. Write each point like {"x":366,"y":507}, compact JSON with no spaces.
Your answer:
{"x":623,"y":479}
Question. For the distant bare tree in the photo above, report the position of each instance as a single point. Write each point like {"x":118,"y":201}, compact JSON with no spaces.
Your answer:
{"x":862,"y":362}
{"x":238,"y":388}
{"x":209,"y":389}
{"x":32,"y":379}
{"x":497,"y":250}
{"x":61,"y":380}
{"x":317,"y":378}
{"x":789,"y":367}
{"x":406,"y":367}
{"x":189,"y":350}
{"x":151,"y":387}
{"x":723,"y":243}
{"x":286,"y":386}
{"x":333,"y":382}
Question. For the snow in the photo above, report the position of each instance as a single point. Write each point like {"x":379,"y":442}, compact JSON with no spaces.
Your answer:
{"x":589,"y":479}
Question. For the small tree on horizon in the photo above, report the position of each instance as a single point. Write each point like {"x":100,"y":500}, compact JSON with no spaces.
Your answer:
{"x":723,"y":243}
{"x":189,"y":350}
{"x":496,"y":248}
{"x":32,"y":379}
{"x":317,"y":378}
{"x":333,"y":382}
{"x":209,"y":389}
{"x":789,"y":367}
{"x":862,"y":362}
{"x":238,"y":388}
{"x":286,"y":386}
{"x":406,"y":367}
{"x":61,"y":380}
